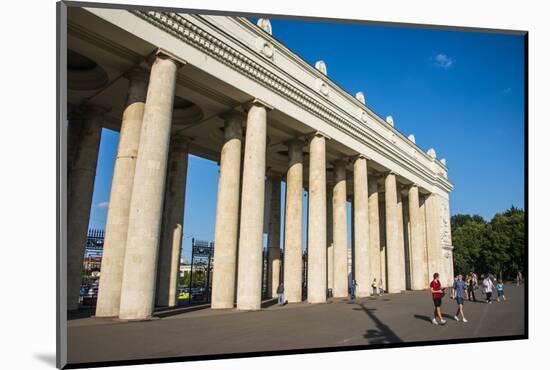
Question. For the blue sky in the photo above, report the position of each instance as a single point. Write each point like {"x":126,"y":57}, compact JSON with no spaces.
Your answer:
{"x":459,"y":92}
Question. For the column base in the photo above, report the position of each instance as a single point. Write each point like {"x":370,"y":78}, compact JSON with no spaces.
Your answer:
{"x":363,"y":294}
{"x":222,"y":306}
{"x":248,"y":308}
{"x":319,"y":301}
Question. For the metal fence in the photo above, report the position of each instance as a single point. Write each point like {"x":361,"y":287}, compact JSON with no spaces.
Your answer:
{"x":91,"y":267}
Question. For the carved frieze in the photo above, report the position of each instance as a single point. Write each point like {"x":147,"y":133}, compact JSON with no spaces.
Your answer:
{"x":445,"y":224}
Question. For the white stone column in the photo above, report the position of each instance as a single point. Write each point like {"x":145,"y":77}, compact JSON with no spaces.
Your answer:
{"x":383,"y":241}
{"x":401,"y":236}
{"x":116,"y":231}
{"x":79,"y":198}
{"x":418,"y":250}
{"x":249,"y":282}
{"x":274,"y":237}
{"x":227,"y":215}
{"x":330,"y":242}
{"x":144,"y":226}
{"x":293,"y":224}
{"x":393,"y":285}
{"x":362,"y":253}
{"x":317,"y":222}
{"x":422,"y":208}
{"x":172,"y":222}
{"x":433,"y":236}
{"x":340,"y":231}
{"x":374,"y":232}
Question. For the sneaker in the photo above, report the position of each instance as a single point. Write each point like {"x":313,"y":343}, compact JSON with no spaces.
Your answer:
{"x":456,"y":318}
{"x":464,"y":319}
{"x":434,"y":321}
{"x":490,"y":302}
{"x":443,"y":321}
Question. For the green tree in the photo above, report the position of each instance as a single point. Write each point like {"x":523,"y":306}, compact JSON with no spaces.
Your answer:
{"x":497,"y":247}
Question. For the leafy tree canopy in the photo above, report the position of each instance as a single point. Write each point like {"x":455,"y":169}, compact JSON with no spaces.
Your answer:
{"x":496,"y":247}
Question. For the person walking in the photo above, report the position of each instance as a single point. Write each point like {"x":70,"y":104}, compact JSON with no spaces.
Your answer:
{"x":353,"y":288}
{"x":457,"y":293}
{"x":281,"y":294}
{"x":374,"y":287}
{"x":488,"y":288}
{"x":518,"y":278}
{"x":437,"y":295}
{"x":380,"y":287}
{"x":471,"y":288}
{"x":500,"y":290}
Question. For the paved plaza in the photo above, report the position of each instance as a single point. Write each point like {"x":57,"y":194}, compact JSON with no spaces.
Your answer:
{"x":392,"y":318}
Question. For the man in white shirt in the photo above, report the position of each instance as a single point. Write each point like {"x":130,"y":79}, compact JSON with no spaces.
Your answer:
{"x":488,"y":288}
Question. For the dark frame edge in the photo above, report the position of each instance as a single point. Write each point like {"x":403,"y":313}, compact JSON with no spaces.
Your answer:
{"x":61,"y":235}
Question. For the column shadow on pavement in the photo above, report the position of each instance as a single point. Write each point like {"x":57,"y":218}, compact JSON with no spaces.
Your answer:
{"x":383,"y":333}
{"x":81,"y":313}
{"x":269,"y":302}
{"x":167,"y":312}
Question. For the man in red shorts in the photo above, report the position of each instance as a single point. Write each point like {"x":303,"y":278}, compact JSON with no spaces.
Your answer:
{"x":437,"y":294}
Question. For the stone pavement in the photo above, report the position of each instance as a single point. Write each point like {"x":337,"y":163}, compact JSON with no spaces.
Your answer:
{"x":392,"y":318}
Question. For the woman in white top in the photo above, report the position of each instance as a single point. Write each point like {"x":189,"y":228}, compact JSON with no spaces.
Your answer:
{"x":488,"y":288}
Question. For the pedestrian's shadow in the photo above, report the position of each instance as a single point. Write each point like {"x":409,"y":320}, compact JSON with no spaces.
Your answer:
{"x":423,"y":317}
{"x":429,"y":319}
{"x":383,"y":333}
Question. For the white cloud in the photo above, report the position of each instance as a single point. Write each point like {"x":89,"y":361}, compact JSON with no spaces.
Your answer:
{"x":102,"y":205}
{"x":444,"y":61}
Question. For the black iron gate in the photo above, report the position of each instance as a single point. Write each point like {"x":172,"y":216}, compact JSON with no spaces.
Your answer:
{"x":91,"y":267}
{"x":200,"y":280}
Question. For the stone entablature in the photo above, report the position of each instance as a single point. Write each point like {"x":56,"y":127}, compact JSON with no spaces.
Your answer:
{"x":233,"y":41}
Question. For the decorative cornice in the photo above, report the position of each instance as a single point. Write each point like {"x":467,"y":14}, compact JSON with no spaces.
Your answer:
{"x":183,"y":29}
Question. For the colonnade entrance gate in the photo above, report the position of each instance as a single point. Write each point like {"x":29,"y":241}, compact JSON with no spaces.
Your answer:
{"x":224,"y":89}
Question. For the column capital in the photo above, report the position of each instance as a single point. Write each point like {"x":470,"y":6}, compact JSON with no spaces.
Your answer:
{"x":353,"y":158}
{"x":341,"y":162}
{"x":317,"y":134}
{"x":256,"y":102}
{"x":137,"y":73}
{"x":232,"y":115}
{"x":181,"y":140}
{"x":165,"y":54}
{"x":294,"y":143}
